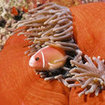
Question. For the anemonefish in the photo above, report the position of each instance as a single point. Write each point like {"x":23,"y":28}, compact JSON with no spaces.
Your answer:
{"x":48,"y":58}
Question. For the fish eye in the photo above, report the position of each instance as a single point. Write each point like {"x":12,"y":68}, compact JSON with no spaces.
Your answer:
{"x":37,"y":58}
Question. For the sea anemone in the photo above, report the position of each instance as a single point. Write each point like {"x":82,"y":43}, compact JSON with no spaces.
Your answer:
{"x":91,"y":77}
{"x":49,"y":24}
{"x":87,"y":37}
{"x":20,"y":86}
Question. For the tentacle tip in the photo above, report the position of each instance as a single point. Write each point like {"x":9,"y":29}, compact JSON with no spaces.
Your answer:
{"x":45,"y":79}
{"x":98,"y":57}
{"x":68,"y":86}
{"x":85,"y":56}
{"x":58,"y":77}
{"x":86,"y":93}
{"x":72,"y":63}
{"x":94,"y":58}
{"x":79,"y":51}
{"x":79,"y":95}
{"x":82,"y":87}
{"x":96,"y":94}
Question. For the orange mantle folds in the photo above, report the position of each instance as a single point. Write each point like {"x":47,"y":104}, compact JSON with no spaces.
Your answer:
{"x":20,"y":86}
{"x":89,"y":23}
{"x":89,"y":28}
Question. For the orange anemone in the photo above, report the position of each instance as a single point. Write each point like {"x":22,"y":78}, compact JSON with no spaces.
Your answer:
{"x":20,"y":86}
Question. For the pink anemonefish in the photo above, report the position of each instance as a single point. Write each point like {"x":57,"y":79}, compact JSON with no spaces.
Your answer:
{"x":48,"y":58}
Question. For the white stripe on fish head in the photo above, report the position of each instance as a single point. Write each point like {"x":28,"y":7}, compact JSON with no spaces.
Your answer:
{"x":32,"y":59}
{"x":43,"y":59}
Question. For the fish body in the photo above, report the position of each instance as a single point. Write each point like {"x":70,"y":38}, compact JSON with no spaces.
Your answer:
{"x":48,"y":58}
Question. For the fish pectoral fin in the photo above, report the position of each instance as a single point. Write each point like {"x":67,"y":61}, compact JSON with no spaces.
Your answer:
{"x":63,"y":59}
{"x":51,"y":66}
{"x":54,"y":65}
{"x":58,"y":63}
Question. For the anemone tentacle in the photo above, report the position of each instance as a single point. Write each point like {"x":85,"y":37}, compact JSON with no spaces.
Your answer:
{"x":89,"y":75}
{"x":50,"y":24}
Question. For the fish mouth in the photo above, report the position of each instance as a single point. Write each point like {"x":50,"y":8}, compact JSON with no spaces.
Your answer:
{"x":31,"y":62}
